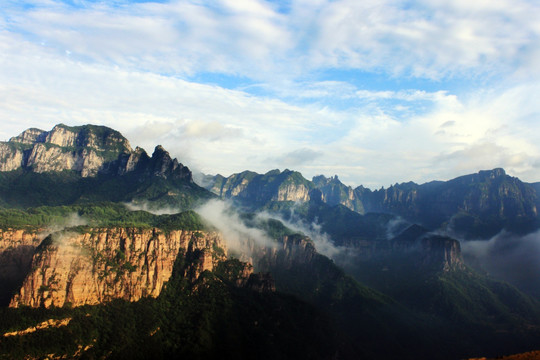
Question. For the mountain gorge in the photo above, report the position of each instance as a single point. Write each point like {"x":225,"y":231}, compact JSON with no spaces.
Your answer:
{"x":294,"y":269}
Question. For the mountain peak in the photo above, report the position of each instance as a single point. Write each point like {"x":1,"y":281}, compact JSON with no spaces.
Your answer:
{"x":87,"y":149}
{"x":29,"y":136}
{"x":492,"y":174}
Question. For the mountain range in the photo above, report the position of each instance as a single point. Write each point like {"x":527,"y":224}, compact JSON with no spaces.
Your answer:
{"x":472,"y":206}
{"x":107,"y":252}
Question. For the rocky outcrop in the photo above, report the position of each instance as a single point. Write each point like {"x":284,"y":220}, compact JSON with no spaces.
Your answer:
{"x":416,"y":247}
{"x":16,"y":251}
{"x":252,"y":188}
{"x":334,"y":192}
{"x":11,"y":156}
{"x":441,"y":252}
{"x":51,"y":323}
{"x":85,"y":149}
{"x":30,"y":136}
{"x":88,"y":150}
{"x":290,"y":251}
{"x":102,"y":264}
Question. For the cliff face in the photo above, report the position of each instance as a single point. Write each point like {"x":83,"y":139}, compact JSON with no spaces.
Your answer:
{"x":107,"y":263}
{"x":417,"y":248}
{"x":84,"y":149}
{"x":252,"y":188}
{"x":88,"y":150}
{"x":16,"y":252}
{"x":334,"y":192}
{"x":290,"y":252}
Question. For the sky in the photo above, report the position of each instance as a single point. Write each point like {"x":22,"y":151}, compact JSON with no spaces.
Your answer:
{"x":376,"y":92}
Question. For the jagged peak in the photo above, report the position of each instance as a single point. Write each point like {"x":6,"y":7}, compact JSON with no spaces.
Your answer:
{"x":495,"y":173}
{"x":319,"y":179}
{"x":30,"y":136}
{"x":273,"y":172}
{"x":161,"y":152}
{"x":140,"y":151}
{"x":94,"y":136}
{"x":482,"y":175}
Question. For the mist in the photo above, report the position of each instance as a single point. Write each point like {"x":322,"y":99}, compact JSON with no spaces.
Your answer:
{"x":72,"y":220}
{"x":508,"y":257}
{"x":151,"y":208}
{"x":323,"y":242}
{"x":242,"y":241}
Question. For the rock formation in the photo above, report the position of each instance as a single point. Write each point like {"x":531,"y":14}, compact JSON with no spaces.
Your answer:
{"x":88,"y":150}
{"x":107,"y":263}
{"x":252,"y":188}
{"x":16,"y":252}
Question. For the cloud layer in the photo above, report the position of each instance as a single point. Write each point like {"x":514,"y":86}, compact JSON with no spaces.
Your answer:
{"x":375,"y":91}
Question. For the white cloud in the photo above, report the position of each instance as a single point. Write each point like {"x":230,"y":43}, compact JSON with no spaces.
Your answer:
{"x":128,"y":66}
{"x":427,"y":38}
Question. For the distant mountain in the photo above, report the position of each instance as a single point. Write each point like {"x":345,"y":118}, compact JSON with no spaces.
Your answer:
{"x":256,"y":190}
{"x":90,"y":163}
{"x":473,"y":206}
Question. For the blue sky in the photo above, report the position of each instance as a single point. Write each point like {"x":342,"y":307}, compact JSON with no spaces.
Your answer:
{"x":377,"y":92}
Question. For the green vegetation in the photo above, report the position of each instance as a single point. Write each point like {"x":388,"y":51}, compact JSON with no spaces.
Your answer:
{"x":104,"y":214}
{"x":22,"y":189}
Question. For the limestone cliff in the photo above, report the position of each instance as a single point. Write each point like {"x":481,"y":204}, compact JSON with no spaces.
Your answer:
{"x":101,"y":264}
{"x":334,"y":192}
{"x":16,"y":252}
{"x":290,"y":251}
{"x":88,"y":150}
{"x":84,"y":149}
{"x":252,"y":188}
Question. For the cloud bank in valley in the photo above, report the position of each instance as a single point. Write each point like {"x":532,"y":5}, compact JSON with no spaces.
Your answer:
{"x":508,"y":257}
{"x":242,"y":241}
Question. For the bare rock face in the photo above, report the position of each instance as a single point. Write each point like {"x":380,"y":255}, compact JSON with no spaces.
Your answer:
{"x":11,"y":157}
{"x":16,"y":252}
{"x":88,"y":150}
{"x":30,"y":136}
{"x":107,"y":263}
{"x":43,"y":158}
{"x":442,"y":251}
{"x":256,"y":188}
{"x":291,"y":250}
{"x":334,"y":192}
{"x":84,"y":149}
{"x":292,"y":192}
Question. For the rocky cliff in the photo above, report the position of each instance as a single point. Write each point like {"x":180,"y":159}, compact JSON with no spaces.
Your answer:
{"x":16,"y":252}
{"x":97,"y":265}
{"x":334,"y":192}
{"x":84,"y":149}
{"x":88,"y":150}
{"x":251,"y":188}
{"x":90,"y":163}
